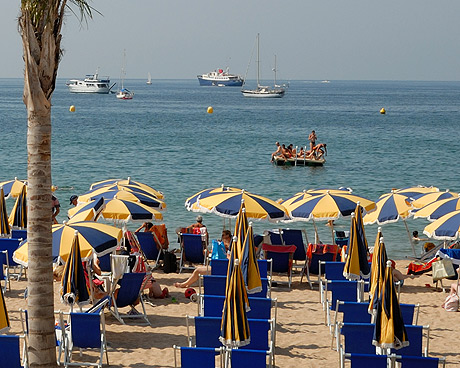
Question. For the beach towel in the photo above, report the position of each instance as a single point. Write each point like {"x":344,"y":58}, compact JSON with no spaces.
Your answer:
{"x":161,"y":236}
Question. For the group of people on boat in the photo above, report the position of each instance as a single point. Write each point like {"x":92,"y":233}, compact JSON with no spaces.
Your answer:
{"x":316,"y":151}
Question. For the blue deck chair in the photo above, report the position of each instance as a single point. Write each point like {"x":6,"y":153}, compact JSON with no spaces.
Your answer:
{"x":193,"y":357}
{"x":87,"y":331}
{"x":19,"y":234}
{"x":410,"y":313}
{"x":192,"y":251}
{"x":130,"y":292}
{"x":319,"y":254}
{"x":261,"y":308}
{"x":250,"y":358}
{"x":4,"y":270}
{"x":355,"y":338}
{"x":331,"y":271}
{"x":417,"y":362}
{"x":220,"y":266}
{"x":149,"y":246}
{"x":281,"y":256}
{"x":415,"y":337}
{"x":367,"y":360}
{"x":104,"y":263}
{"x":10,"y":351}
{"x":215,"y":285}
{"x":352,"y":312}
{"x":11,"y":245}
{"x":341,"y":237}
{"x":345,"y":290}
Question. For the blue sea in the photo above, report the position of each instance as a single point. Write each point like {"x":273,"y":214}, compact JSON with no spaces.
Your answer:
{"x":165,"y":138}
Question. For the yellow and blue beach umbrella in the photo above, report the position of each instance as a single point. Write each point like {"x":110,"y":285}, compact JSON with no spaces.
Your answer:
{"x":92,"y":236}
{"x":4,"y":225}
{"x":86,"y":211}
{"x":4,"y":320}
{"x":423,"y":200}
{"x":435,"y":210}
{"x":124,"y":211}
{"x":73,"y":284}
{"x":257,"y":207}
{"x":411,"y":192}
{"x":13,"y":188}
{"x":18,"y":215}
{"x":191,"y":202}
{"x":390,"y":208}
{"x":125,"y":194}
{"x":234,"y":326}
{"x":249,"y":265}
{"x":356,"y":264}
{"x":127,"y":183}
{"x":446,"y":227}
{"x":379,"y":263}
{"x":389,"y":330}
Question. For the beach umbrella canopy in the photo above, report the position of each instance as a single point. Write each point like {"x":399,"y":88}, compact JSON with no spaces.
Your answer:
{"x":257,"y":207}
{"x":234,"y":326}
{"x":124,"y":194}
{"x":4,"y":225}
{"x":127,"y":183}
{"x":13,"y":188}
{"x":249,"y":265}
{"x":124,"y":211}
{"x":92,"y":236}
{"x":86,"y":211}
{"x":378,"y":266}
{"x":356,"y":264}
{"x":423,"y":200}
{"x":18,"y":215}
{"x":73,"y":283}
{"x":191,"y":202}
{"x":435,"y":210}
{"x":4,"y":320}
{"x":389,"y":330}
{"x":416,"y":191}
{"x":446,"y":227}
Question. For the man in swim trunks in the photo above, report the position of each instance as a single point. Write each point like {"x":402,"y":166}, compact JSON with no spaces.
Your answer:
{"x":277,"y":152}
{"x":312,"y":138}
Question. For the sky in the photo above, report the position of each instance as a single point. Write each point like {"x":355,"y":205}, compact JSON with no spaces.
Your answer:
{"x":313,"y":40}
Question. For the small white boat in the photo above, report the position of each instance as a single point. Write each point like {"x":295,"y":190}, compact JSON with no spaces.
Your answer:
{"x":124,"y":93}
{"x":91,"y":84}
{"x":264,"y":91}
{"x":149,"y":79}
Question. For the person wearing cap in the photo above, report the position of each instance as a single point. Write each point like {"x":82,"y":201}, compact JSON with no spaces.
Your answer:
{"x":74,"y":200}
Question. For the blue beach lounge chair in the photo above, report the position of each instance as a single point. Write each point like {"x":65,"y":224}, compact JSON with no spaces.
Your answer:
{"x":149,"y":246}
{"x":192,"y":251}
{"x":367,"y":360}
{"x":193,"y":357}
{"x":10,"y":351}
{"x":281,"y":256}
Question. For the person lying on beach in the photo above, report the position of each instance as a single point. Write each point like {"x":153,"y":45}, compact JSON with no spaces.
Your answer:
{"x":398,"y":276}
{"x":205,"y":270}
{"x":277,"y":152}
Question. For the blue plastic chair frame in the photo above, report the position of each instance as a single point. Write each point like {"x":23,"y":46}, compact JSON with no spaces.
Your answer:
{"x":192,"y":250}
{"x":417,"y":362}
{"x":367,"y":360}
{"x":358,"y":338}
{"x":149,"y":246}
{"x":260,"y":307}
{"x":415,"y":337}
{"x":215,"y":285}
{"x":10,"y":351}
{"x":192,"y":357}
{"x":220,"y":266}
{"x":295,"y":237}
{"x":19,"y":234}
{"x":249,"y":358}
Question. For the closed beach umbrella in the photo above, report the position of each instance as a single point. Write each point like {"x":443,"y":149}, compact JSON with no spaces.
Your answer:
{"x":4,"y":225}
{"x":234,"y":326}
{"x":86,"y":211}
{"x":73,"y":284}
{"x":437,"y":209}
{"x":128,"y":183}
{"x":446,"y":227}
{"x":124,"y":194}
{"x":379,"y":263}
{"x":249,"y":265}
{"x":18,"y":215}
{"x":13,"y":188}
{"x":191,"y":202}
{"x":4,"y":320}
{"x":389,"y":330}
{"x":121,"y":210}
{"x":257,"y":207}
{"x":92,"y":236}
{"x":356,"y":264}
{"x":390,"y":208}
{"x":423,"y":200}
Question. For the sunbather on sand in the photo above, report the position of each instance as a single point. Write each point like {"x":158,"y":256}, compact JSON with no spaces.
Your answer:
{"x":398,"y":276}
{"x":204,"y":270}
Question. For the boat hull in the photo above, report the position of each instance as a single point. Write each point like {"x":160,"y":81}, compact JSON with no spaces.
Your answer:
{"x":261,"y":94}
{"x":220,"y":82}
{"x":74,"y":88}
{"x":278,"y":161}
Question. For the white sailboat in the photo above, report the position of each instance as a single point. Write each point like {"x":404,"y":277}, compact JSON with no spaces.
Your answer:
{"x":264,"y":91}
{"x":149,"y":79}
{"x":124,"y":93}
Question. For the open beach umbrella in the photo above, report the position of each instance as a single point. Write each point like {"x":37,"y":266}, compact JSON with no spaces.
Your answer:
{"x":423,"y":200}
{"x":234,"y":326}
{"x":249,"y":265}
{"x":391,"y":207}
{"x":257,"y":207}
{"x":124,"y":194}
{"x":13,"y":188}
{"x":92,"y":236}
{"x":412,"y":192}
{"x":124,"y":211}
{"x":446,"y":227}
{"x":4,"y":320}
{"x":18,"y":215}
{"x":378,"y":266}
{"x":191,"y":202}
{"x":437,"y":209}
{"x":356,"y":264}
{"x":127,"y":183}
{"x":86,"y":211}
{"x":73,"y":284}
{"x":389,"y":330}
{"x":4,"y":225}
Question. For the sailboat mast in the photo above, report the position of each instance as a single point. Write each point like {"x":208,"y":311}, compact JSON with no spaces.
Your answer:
{"x":274,"y":69}
{"x":258,"y":61}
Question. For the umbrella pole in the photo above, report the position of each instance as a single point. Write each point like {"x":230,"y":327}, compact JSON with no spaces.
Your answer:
{"x":410,"y":238}
{"x":332,"y":232}
{"x":316,"y":231}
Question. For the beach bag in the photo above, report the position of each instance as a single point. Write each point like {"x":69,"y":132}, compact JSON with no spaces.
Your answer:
{"x":170,"y":263}
{"x":218,"y":250}
{"x":442,"y":269}
{"x":451,"y":303}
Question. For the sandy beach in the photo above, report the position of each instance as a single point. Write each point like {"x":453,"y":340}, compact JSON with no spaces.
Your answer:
{"x":302,"y":337}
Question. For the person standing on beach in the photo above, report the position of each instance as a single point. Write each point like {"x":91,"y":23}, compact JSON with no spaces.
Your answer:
{"x":312,"y":138}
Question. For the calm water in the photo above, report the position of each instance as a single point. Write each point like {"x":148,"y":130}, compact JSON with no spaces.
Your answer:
{"x":165,"y":138}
